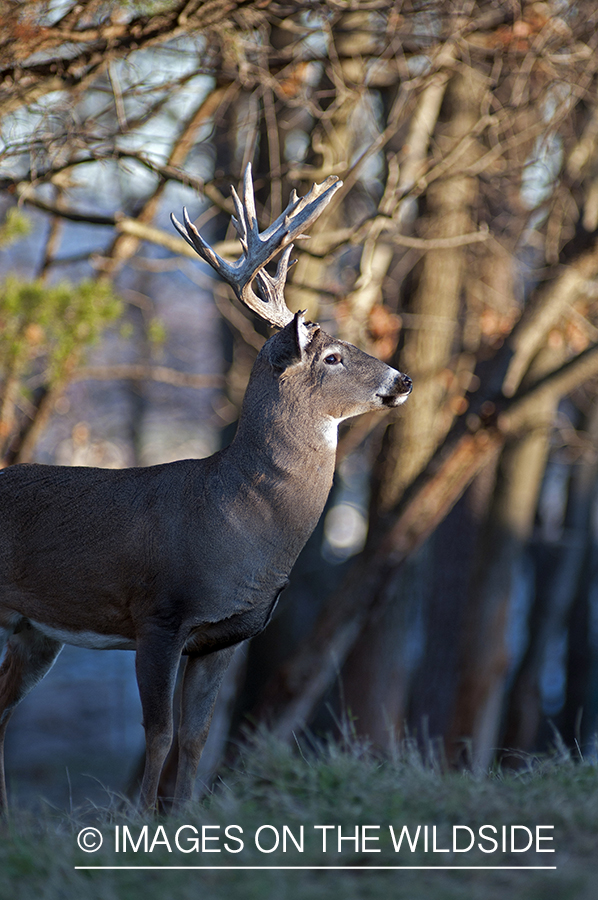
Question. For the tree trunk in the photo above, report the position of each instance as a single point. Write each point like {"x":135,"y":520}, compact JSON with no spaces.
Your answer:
{"x":376,"y":680}
{"x":484,"y":657}
{"x":560,"y":571}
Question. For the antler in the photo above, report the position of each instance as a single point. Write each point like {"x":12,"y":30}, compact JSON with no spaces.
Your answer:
{"x":259,"y":249}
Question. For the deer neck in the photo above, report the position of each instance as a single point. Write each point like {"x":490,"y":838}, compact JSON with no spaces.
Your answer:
{"x":290,"y":460}
{"x":292,"y":447}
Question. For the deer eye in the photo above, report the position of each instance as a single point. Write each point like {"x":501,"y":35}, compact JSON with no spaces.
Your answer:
{"x":333,"y":359}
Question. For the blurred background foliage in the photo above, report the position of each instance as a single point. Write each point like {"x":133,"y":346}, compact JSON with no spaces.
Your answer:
{"x":451,"y":588}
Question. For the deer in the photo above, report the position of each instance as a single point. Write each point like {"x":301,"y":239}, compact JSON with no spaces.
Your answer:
{"x":185,"y":560}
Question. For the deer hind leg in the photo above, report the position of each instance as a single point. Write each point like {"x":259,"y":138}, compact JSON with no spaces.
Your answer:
{"x":201,"y":683}
{"x":29,"y":656}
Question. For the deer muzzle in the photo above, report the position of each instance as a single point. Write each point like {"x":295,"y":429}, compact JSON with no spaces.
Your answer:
{"x":400,"y":390}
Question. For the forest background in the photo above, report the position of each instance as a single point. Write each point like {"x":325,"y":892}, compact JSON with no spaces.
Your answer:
{"x":450,"y":592}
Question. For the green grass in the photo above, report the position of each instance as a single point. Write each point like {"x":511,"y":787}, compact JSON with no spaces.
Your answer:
{"x":348,"y":787}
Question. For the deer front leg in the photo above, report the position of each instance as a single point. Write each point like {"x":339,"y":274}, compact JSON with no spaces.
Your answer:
{"x":201,"y":683}
{"x":156,"y":665}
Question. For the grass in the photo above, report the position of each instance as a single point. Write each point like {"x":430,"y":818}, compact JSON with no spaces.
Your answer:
{"x":340,"y":786}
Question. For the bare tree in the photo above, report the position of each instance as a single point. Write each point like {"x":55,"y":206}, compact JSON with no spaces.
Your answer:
{"x":462,"y":246}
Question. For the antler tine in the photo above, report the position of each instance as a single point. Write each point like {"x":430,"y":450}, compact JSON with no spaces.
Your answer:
{"x":240,"y":222}
{"x":189,"y":233}
{"x":272,"y":287}
{"x":249,"y":199}
{"x":259,"y":249}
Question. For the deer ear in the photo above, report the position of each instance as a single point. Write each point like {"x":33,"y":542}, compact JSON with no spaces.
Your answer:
{"x":287,"y":348}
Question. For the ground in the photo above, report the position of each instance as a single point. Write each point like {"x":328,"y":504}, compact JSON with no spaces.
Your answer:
{"x":277,"y":794}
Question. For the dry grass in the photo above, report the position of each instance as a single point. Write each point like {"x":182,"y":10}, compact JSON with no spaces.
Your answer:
{"x":337,"y":786}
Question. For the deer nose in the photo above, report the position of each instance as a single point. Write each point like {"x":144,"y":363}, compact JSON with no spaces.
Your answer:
{"x":404,"y":384}
{"x":398,"y":393}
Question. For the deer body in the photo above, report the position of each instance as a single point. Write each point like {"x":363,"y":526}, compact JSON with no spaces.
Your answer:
{"x":182,"y":559}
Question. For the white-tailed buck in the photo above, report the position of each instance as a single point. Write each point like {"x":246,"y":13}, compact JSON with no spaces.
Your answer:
{"x":188,"y":558}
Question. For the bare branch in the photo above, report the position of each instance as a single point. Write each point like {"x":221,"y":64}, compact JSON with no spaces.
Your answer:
{"x":542,"y":314}
{"x":120,"y":223}
{"x":139,"y":372}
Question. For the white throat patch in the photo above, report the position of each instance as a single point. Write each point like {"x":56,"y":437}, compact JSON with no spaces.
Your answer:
{"x":330,"y":432}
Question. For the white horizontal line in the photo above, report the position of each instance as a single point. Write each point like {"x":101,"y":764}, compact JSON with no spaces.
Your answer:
{"x":319,"y":868}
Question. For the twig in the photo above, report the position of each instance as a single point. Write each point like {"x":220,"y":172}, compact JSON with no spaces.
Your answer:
{"x":141,"y":372}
